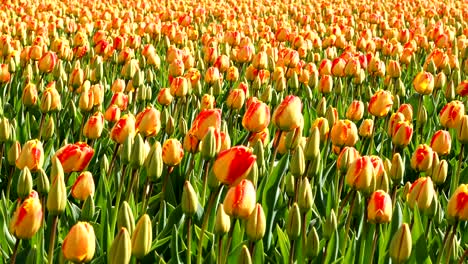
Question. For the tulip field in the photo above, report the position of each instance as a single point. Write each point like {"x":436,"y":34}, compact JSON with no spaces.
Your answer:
{"x":200,"y":131}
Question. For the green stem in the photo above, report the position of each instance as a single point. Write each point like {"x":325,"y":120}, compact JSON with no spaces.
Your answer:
{"x":228,"y":245}
{"x":350,"y":216}
{"x":220,"y":249}
{"x":114,"y":155}
{"x":457,"y":176}
{"x":463,"y":256}
{"x":450,"y":242}
{"x":206,"y":216}
{"x":419,"y":113}
{"x":15,"y":251}
{"x":10,"y":179}
{"x":374,"y":242}
{"x":40,"y":126}
{"x":189,"y":240}
{"x":292,"y":253}
{"x":205,"y":181}
{"x":50,"y":255}
{"x":132,"y":183}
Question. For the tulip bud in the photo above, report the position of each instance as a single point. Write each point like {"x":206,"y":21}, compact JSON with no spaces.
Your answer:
{"x":223,"y":221}
{"x":322,"y":107}
{"x":256,"y":224}
{"x":298,"y":162}
{"x":57,"y":198}
{"x":440,"y":172}
{"x":245,"y":257}
{"x":397,"y":169}
{"x":43,"y":185}
{"x":125,"y":218}
{"x":355,"y":111}
{"x":126,"y":150}
{"x":48,"y":129}
{"x":209,"y":145}
{"x":330,"y":225}
{"x":360,"y":174}
{"x":422,"y":117}
{"x":421,"y":193}
{"x":305,"y":199}
{"x":379,"y":208}
{"x":256,"y":117}
{"x":462,"y":130}
{"x":138,"y":153}
{"x":25,"y":183}
{"x":87,"y":212}
{"x":400,"y":245}
{"x":120,"y":250}
{"x":80,"y":243}
{"x":142,"y":237}
{"x":331,"y":115}
{"x":344,"y":133}
{"x":4,"y":129}
{"x":27,"y":218}
{"x":154,"y":163}
{"x":293,"y":222}
{"x":312,"y":147}
{"x":13,"y":153}
{"x":380,"y":103}
{"x":172,"y":152}
{"x":366,"y":129}
{"x":189,"y":200}
{"x":313,"y":244}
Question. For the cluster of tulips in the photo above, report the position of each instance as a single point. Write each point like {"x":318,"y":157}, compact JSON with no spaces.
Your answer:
{"x":233,"y":131}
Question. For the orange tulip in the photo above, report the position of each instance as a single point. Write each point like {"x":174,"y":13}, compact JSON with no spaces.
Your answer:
{"x":441,"y":142}
{"x":172,"y":152}
{"x":4,"y":73}
{"x":165,"y":96}
{"x":47,"y":62}
{"x":94,"y":126}
{"x":239,"y":201}
{"x":462,"y":88}
{"x":205,"y":119}
{"x":75,"y":157}
{"x":123,"y":128}
{"x":80,"y":243}
{"x":235,"y":99}
{"x":118,"y":86}
{"x":379,"y":208}
{"x":120,"y":99}
{"x":27,"y":218}
{"x":366,"y":128}
{"x":50,"y":100}
{"x":458,"y":204}
{"x":31,"y":156}
{"x":360,"y":173}
{"x":234,"y":164}
{"x":29,"y":97}
{"x":407,"y":111}
{"x":288,"y":115}
{"x":402,"y":133}
{"x":257,"y":117}
{"x":424,"y":83}
{"x":344,"y":133}
{"x":83,"y":186}
{"x":347,"y":156}
{"x":179,"y":87}
{"x":148,"y":122}
{"x":422,"y":158}
{"x":355,"y":111}
{"x":380,"y":103}
{"x":421,"y":193}
{"x":451,"y":114}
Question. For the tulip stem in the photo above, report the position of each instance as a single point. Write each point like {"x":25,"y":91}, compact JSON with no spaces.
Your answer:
{"x":457,"y":176}
{"x":463,"y":256}
{"x":41,"y":124}
{"x":15,"y":251}
{"x":228,"y":245}
{"x":374,"y":242}
{"x":206,"y":216}
{"x":350,"y":215}
{"x":10,"y":179}
{"x":292,"y":253}
{"x":114,"y":155}
{"x":394,"y":191}
{"x":450,"y":242}
{"x":220,"y":248}
{"x":133,"y":179}
{"x":189,"y":240}
{"x":50,"y":255}
{"x":205,"y":181}
{"x":419,"y":113}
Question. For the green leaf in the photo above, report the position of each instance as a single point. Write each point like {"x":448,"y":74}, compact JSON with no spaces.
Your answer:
{"x":283,"y":243}
{"x":175,"y":245}
{"x":258,"y":254}
{"x":419,"y":253}
{"x":333,"y":248}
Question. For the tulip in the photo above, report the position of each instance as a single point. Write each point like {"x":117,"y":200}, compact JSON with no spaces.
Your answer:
{"x":366,"y":129}
{"x":233,"y":165}
{"x":421,"y":193}
{"x":94,"y":126}
{"x":189,"y":200}
{"x":402,"y":133}
{"x":57,"y":198}
{"x":288,"y":115}
{"x":407,"y":111}
{"x":47,"y":62}
{"x":142,"y":237}
{"x":424,"y":83}
{"x":257,"y":117}
{"x":451,"y":114}
{"x":293,"y":222}
{"x":207,"y":102}
{"x":118,"y":86}
{"x":29,"y":97}
{"x":239,"y":201}
{"x":256,"y":224}
{"x":205,"y":119}
{"x":344,"y":133}
{"x":148,"y":122}
{"x":31,"y":156}
{"x":27,"y":218}
{"x":360,"y":174}
{"x":179,"y":87}
{"x":394,"y":119}
{"x":123,"y":128}
{"x":80,"y":243}
{"x":355,"y":111}
{"x":172,"y":152}
{"x":457,"y":207}
{"x":112,"y":113}
{"x":422,"y":158}
{"x":164,"y":97}
{"x":120,"y":251}
{"x":462,"y":88}
{"x":397,"y":168}
{"x":75,"y":157}
{"x":222,"y":222}
{"x":236,"y":99}
{"x":322,"y":124}
{"x":120,"y":99}
{"x":462,"y":130}
{"x":401,"y":244}
{"x":50,"y":100}
{"x":83,"y":186}
{"x":4,"y":73}
{"x":326,"y":84}
{"x":379,"y":208}
{"x":76,"y":78}
{"x":346,"y":157}
{"x":441,"y":142}
{"x":380,"y":103}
